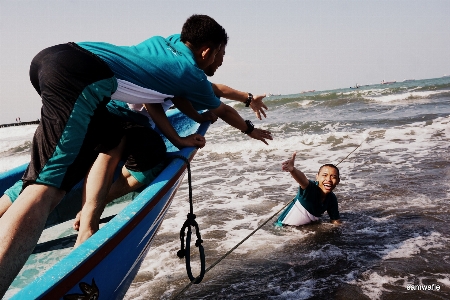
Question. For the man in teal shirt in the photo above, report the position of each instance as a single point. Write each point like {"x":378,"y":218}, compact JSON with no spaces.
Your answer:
{"x":75,"y":82}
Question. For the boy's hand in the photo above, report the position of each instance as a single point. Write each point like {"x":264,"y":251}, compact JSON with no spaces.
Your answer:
{"x":288,"y":165}
{"x":257,"y":105}
{"x":193,"y":140}
{"x":262,"y":135}
{"x":209,"y":116}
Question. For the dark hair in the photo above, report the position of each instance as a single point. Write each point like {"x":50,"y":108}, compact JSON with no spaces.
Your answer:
{"x":202,"y":30}
{"x":331,"y":166}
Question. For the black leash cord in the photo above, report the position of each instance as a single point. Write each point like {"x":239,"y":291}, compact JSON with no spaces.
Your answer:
{"x":190,"y":221}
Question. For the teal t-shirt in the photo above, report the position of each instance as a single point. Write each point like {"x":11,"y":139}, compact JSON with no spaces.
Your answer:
{"x":163,"y":65}
{"x":309,"y":198}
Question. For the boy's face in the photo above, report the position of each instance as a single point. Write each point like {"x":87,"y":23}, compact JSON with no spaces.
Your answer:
{"x":328,"y":179}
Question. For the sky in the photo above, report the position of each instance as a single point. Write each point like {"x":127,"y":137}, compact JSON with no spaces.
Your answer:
{"x":275,"y":46}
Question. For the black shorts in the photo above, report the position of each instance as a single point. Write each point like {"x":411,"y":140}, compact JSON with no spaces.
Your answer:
{"x":75,"y":86}
{"x":144,"y":151}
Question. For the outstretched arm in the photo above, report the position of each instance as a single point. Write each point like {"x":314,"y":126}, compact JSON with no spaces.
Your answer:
{"x":159,"y":117}
{"x":299,"y":176}
{"x":257,"y":104}
{"x":231,"y":116}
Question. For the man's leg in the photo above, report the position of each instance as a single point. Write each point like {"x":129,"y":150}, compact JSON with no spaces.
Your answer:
{"x":123,"y":185}
{"x":74,"y":87}
{"x":145,"y":150}
{"x":96,"y":187}
{"x":21,"y":226}
{"x":5,"y":203}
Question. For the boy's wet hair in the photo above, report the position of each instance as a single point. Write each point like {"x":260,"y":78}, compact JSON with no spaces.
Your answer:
{"x":331,"y":166}
{"x":202,"y":30}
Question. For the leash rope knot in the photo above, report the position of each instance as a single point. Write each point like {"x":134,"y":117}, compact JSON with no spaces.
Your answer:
{"x":184,"y":252}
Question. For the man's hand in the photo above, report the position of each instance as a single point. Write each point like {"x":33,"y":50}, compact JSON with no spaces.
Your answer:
{"x":257,"y":105}
{"x":288,"y":165}
{"x":193,"y":140}
{"x":209,"y":116}
{"x":262,"y":135}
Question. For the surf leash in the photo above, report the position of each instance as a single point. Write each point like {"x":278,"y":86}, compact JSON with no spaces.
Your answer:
{"x":232,"y":249}
{"x":190,"y":221}
{"x":351,"y":152}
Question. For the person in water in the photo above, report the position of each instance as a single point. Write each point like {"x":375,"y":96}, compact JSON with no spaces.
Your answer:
{"x":313,"y":197}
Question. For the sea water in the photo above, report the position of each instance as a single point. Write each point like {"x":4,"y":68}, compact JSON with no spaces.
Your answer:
{"x":393,"y":199}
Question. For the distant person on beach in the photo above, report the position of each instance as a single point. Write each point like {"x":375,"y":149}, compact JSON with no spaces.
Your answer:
{"x":76,"y":82}
{"x":313,"y":197}
{"x":129,"y":181}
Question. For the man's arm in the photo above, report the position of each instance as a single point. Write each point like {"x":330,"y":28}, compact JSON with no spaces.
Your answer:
{"x":232,"y":117}
{"x":185,"y":106}
{"x":298,"y":175}
{"x":160,"y":118}
{"x":257,"y":104}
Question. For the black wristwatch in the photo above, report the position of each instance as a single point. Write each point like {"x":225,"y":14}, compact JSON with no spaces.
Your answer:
{"x":250,"y":127}
{"x":249,"y":100}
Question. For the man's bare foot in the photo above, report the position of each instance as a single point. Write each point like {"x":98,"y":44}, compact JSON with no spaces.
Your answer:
{"x":83,"y":236}
{"x":76,"y":223}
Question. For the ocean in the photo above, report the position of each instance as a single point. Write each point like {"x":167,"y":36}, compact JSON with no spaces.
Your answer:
{"x":393,"y":199}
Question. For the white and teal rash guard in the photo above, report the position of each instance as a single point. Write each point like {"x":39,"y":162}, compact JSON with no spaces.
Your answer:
{"x":156,"y":70}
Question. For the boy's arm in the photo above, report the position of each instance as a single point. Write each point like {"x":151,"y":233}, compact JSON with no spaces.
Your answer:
{"x":158,"y":116}
{"x":256,"y":104}
{"x":298,"y":175}
{"x":232,"y":117}
{"x":185,"y":106}
{"x":333,"y":212}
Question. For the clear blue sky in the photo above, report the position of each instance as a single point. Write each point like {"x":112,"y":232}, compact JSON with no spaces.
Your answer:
{"x":275,"y":46}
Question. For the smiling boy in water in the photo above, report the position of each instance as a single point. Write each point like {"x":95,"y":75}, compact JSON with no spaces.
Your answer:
{"x":313,"y":197}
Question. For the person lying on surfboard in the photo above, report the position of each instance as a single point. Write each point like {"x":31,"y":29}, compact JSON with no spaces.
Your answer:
{"x":313,"y":197}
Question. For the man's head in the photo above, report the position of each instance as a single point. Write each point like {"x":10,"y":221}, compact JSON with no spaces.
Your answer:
{"x":328,"y":178}
{"x":204,"y":36}
{"x":218,"y":60}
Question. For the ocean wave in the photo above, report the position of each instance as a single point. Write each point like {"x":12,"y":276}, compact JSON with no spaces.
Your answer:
{"x":407,"y":95}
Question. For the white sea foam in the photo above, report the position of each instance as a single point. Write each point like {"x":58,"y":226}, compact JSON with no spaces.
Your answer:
{"x":372,"y":284}
{"x":327,"y":252}
{"x":11,"y":137}
{"x":14,"y":161}
{"x":305,"y":291}
{"x":403,"y":96}
{"x":414,"y":245}
{"x":446,"y":280}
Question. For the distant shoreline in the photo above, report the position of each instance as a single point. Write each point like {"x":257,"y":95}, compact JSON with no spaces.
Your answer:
{"x":19,"y":124}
